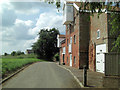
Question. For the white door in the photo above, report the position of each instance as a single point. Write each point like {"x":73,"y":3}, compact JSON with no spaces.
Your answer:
{"x":100,"y":58}
{"x":70,"y":59}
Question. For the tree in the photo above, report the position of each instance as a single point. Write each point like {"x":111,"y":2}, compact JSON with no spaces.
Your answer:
{"x":22,"y":53}
{"x":18,"y":52}
{"x":5,"y":54}
{"x":46,"y":46}
{"x":56,"y":2}
{"x":13,"y":53}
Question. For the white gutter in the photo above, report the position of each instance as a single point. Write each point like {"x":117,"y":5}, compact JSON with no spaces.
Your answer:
{"x":76,"y":6}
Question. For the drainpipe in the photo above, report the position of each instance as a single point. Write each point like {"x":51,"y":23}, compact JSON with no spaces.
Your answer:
{"x":79,"y":36}
{"x":59,"y":55}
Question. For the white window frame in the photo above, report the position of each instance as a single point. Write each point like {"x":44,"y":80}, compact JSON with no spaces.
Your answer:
{"x":70,"y":59}
{"x":70,"y":48}
{"x":63,"y":50}
{"x":98,"y":33}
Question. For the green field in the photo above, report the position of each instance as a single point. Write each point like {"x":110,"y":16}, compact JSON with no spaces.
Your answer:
{"x":13,"y":63}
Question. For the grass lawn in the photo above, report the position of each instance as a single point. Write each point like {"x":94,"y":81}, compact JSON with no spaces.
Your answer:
{"x":12,"y":63}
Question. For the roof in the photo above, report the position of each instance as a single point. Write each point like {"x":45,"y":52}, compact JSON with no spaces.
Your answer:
{"x":63,"y":41}
{"x":29,"y":50}
{"x":78,"y":4}
{"x":61,"y":36}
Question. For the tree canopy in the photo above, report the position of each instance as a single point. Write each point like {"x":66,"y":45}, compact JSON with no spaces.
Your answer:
{"x":46,"y":45}
{"x":13,"y":53}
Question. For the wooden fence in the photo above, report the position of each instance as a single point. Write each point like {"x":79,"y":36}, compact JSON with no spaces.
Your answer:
{"x":112,"y":64}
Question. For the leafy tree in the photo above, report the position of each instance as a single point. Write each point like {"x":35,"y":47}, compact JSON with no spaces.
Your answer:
{"x":5,"y":54}
{"x":18,"y":52}
{"x":56,"y":2}
{"x":46,"y":46}
{"x":13,"y":53}
{"x":22,"y":53}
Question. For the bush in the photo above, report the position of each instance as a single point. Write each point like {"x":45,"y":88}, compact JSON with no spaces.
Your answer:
{"x":56,"y":57}
{"x":5,"y":54}
{"x":13,"y":53}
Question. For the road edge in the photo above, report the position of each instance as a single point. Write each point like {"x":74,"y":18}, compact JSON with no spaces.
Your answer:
{"x":82,"y":86}
{"x":15,"y":73}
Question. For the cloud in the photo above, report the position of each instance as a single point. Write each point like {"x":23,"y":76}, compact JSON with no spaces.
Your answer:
{"x":8,"y":16}
{"x":28,"y":12}
{"x":29,"y":8}
{"x":13,"y":46}
{"x":21,"y":23}
{"x":29,"y":43}
{"x":24,"y":8}
{"x":48,"y":20}
{"x":27,"y":23}
{"x":17,"y":32}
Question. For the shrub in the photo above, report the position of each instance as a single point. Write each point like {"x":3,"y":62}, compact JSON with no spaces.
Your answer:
{"x":5,"y":54}
{"x":56,"y":57}
{"x":13,"y":53}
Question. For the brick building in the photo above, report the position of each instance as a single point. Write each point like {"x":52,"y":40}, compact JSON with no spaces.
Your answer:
{"x":86,"y":40}
{"x":28,"y":51}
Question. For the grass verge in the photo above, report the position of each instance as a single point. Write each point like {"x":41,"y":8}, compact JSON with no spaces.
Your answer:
{"x":12,"y":63}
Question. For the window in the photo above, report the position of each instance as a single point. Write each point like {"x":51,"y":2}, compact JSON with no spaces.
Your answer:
{"x":74,"y":60}
{"x":74,"y":20}
{"x":98,"y":34}
{"x":63,"y":50}
{"x":70,"y":48}
{"x":74,"y":39}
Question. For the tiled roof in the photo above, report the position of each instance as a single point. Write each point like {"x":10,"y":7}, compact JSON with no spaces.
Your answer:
{"x":116,"y":9}
{"x":62,"y":36}
{"x":63,"y":41}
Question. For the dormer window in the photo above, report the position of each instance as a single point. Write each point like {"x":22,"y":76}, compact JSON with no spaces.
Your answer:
{"x":98,"y":34}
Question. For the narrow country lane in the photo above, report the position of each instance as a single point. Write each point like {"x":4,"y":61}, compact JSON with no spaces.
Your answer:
{"x":42,"y":75}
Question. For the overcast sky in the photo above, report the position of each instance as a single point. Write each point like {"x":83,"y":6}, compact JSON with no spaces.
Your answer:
{"x":21,"y":21}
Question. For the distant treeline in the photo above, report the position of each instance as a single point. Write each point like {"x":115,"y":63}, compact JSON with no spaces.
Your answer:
{"x":14,"y":53}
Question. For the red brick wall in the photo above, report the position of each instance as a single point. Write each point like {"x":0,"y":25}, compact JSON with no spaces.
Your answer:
{"x":92,"y":56}
{"x":102,"y":24}
{"x":61,"y":51}
{"x":75,"y":46}
{"x":80,"y":29}
{"x":99,"y":23}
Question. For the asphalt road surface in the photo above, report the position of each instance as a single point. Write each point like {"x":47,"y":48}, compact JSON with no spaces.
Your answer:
{"x":42,"y":75}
